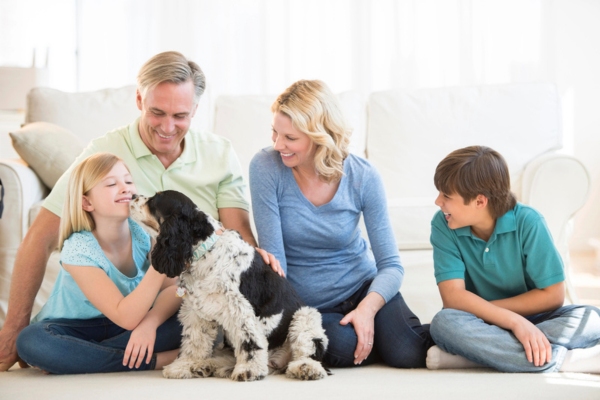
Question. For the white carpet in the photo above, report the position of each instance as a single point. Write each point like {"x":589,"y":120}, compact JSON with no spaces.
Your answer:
{"x":372,"y":382}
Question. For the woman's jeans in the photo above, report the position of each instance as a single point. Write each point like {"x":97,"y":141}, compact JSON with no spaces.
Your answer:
{"x":400,"y":339}
{"x":72,"y":346}
{"x":568,"y":327}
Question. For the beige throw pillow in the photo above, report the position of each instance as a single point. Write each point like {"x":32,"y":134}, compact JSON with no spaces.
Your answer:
{"x":47,"y":148}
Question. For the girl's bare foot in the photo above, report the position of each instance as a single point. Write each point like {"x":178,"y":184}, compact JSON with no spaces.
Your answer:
{"x":165,"y":358}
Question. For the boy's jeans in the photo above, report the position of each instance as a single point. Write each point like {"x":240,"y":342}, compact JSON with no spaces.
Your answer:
{"x":75,"y":346}
{"x":568,"y":327}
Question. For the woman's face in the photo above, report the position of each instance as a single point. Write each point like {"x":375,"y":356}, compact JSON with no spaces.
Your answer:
{"x":295,"y":147}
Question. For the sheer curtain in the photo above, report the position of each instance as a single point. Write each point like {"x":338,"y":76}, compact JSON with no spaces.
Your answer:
{"x":262,"y":46}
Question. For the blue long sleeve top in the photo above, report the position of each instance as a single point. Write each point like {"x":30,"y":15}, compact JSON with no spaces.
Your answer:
{"x":321,"y":248}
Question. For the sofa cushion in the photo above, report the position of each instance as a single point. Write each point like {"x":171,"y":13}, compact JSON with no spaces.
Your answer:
{"x":87,"y":115}
{"x":409,"y":133}
{"x":47,"y":148}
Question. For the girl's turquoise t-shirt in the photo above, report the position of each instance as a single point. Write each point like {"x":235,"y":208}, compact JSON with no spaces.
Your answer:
{"x":82,"y":249}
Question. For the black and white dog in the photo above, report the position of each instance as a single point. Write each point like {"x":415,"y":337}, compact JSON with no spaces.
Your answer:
{"x":225,"y":282}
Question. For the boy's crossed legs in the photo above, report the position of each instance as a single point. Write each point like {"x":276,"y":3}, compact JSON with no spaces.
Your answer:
{"x":573,"y":331}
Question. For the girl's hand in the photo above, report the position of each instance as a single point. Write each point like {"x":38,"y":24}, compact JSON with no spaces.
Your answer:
{"x":141,"y":343}
{"x":363,"y":322}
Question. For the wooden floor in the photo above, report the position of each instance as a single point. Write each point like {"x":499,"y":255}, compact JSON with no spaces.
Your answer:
{"x":586,"y":277}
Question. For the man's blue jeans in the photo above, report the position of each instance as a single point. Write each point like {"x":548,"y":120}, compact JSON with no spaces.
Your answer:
{"x":568,"y":327}
{"x":72,"y":346}
{"x":400,"y":340}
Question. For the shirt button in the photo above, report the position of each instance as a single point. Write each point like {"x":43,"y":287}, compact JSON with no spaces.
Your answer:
{"x":487,"y":250}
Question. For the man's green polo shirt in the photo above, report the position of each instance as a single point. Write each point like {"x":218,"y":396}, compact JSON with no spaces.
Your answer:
{"x":519,"y":256}
{"x":207,"y":171}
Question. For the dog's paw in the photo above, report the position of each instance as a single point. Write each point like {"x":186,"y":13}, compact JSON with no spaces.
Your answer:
{"x":248,"y":372}
{"x":306,"y":369}
{"x":203,"y":369}
{"x":179,"y":370}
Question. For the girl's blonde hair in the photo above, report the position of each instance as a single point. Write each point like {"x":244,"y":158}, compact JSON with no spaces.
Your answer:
{"x":83,"y":178}
{"x":315,"y":111}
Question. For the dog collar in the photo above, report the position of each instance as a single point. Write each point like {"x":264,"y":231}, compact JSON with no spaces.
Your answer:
{"x":205,"y":246}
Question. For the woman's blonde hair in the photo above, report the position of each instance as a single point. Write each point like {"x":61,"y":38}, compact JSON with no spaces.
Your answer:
{"x":83,"y":178}
{"x":315,"y":111}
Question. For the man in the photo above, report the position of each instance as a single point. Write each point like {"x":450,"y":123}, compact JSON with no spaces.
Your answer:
{"x":162,"y":153}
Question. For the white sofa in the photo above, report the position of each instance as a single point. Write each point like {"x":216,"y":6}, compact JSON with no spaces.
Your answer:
{"x":404,"y":134}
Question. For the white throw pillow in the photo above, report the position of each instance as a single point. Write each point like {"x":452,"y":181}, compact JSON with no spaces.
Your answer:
{"x":47,"y":148}
{"x":87,"y":115}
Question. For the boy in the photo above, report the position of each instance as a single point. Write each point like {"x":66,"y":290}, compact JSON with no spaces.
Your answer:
{"x":501,"y":278}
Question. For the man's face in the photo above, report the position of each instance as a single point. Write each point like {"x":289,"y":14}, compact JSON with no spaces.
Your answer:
{"x":167,"y":112}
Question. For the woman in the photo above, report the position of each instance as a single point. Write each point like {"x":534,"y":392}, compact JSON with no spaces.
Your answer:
{"x":308,"y":194}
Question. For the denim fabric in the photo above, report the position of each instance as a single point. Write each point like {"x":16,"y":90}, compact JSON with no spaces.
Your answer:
{"x":400,"y":340}
{"x":71,"y":346}
{"x":568,"y":327}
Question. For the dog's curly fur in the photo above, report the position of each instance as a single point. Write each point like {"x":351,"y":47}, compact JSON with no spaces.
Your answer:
{"x":263,"y":319}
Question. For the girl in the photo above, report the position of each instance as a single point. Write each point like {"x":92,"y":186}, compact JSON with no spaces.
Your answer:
{"x":103,"y":314}
{"x":308,"y":194}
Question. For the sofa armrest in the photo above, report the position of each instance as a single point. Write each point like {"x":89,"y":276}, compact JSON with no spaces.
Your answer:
{"x":22,"y":188}
{"x":557,"y":185}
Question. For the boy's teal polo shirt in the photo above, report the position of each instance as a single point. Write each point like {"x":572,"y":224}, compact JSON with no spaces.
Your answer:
{"x":519,"y":256}
{"x":207,"y":171}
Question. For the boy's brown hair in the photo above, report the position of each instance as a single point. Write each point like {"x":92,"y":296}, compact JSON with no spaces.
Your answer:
{"x":476,"y":170}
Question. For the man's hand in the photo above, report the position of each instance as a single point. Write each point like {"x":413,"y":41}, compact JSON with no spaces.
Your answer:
{"x":27,"y":276}
{"x":536,"y":344}
{"x":271,"y":260}
{"x":8,"y":350}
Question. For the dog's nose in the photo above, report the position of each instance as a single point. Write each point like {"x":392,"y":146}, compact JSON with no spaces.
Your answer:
{"x":134,"y":196}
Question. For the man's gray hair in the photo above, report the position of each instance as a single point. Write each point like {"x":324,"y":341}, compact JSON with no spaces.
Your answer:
{"x":170,"y":66}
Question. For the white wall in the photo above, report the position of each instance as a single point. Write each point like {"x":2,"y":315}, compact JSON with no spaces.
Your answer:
{"x":578,"y":79}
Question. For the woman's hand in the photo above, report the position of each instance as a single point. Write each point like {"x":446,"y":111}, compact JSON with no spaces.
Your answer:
{"x":270,"y":259}
{"x":364,"y":326}
{"x":141,"y":343}
{"x":362,"y":319}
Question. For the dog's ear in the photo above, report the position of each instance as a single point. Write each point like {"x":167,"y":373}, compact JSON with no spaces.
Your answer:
{"x":174,"y":247}
{"x":200,"y":227}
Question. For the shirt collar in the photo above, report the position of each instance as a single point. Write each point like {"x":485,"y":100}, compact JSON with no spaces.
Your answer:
{"x":140,"y":149}
{"x":506,"y":223}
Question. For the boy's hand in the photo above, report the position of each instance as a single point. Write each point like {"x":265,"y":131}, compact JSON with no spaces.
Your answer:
{"x":536,"y":345}
{"x":141,"y":343}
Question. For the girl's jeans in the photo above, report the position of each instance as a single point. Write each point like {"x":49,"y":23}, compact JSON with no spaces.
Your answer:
{"x":74,"y":346}
{"x":568,"y":327}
